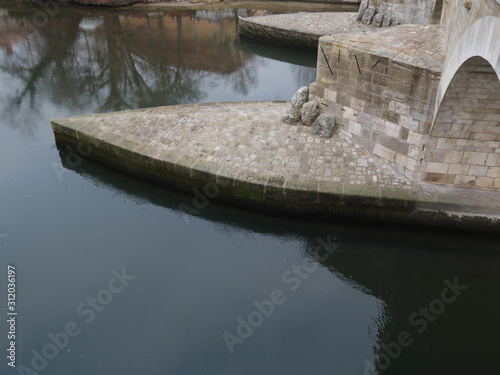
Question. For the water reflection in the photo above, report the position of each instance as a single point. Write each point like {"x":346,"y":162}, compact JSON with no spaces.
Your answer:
{"x":86,"y":61}
{"x":122,"y":61}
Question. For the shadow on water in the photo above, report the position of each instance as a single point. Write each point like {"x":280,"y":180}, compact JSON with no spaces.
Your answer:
{"x":302,"y":59}
{"x":405,"y":268}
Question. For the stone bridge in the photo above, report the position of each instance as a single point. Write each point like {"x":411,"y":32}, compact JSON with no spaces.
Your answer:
{"x":425,"y":95}
{"x":466,"y":133}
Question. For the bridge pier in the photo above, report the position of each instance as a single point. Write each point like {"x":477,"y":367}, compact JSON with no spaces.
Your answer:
{"x":381,"y":87}
{"x":425,"y":98}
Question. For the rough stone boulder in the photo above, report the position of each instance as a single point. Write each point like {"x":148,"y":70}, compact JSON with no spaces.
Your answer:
{"x":292,"y":116}
{"x":395,"y":21}
{"x":369,"y":14}
{"x":362,"y":9}
{"x":309,"y":112}
{"x":384,"y":8}
{"x":378,"y":19}
{"x":324,"y":126}
{"x":300,"y":98}
{"x":387,"y":20}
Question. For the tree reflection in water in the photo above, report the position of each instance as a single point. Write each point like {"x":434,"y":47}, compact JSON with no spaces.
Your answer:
{"x":108,"y":61}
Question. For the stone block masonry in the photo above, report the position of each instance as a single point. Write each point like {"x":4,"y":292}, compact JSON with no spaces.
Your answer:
{"x":411,"y":11}
{"x":299,"y":30}
{"x":409,"y":94}
{"x":381,"y":88}
{"x":465,"y":138}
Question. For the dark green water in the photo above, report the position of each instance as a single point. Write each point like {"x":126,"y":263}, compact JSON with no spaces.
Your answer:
{"x":345,"y":295}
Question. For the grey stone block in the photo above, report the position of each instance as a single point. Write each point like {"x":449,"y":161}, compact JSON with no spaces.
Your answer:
{"x":324,"y":126}
{"x":369,"y":14}
{"x":378,"y":19}
{"x":292,"y":116}
{"x":384,"y":8}
{"x":395,"y":21}
{"x":309,"y":112}
{"x":300,"y":98}
{"x":362,"y":8}
{"x":387,"y":20}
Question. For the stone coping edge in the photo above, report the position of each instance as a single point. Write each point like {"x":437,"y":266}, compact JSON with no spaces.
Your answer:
{"x":292,"y":197}
{"x":277,"y":35}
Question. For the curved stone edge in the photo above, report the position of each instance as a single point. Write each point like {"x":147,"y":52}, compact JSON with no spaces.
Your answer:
{"x":278,"y":36}
{"x":478,"y":40}
{"x":292,"y":197}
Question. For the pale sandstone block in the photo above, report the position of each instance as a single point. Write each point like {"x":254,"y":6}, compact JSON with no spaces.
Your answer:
{"x":392,"y":130}
{"x":414,"y":152}
{"x":464,"y":180}
{"x":446,"y":143}
{"x":354,"y":127}
{"x":378,"y":124}
{"x":492,"y":160}
{"x":485,"y":182}
{"x":476,"y":158}
{"x":331,"y":95}
{"x":492,"y":117}
{"x":402,"y":109}
{"x":408,"y":123}
{"x":405,"y":161}
{"x":433,"y":167}
{"x":485,"y":136}
{"x":409,"y":173}
{"x":478,"y":171}
{"x":453,"y":156}
{"x":493,"y":172}
{"x":357,"y":104}
{"x":384,"y":152}
{"x":459,"y":169}
{"x":350,"y":114}
{"x":492,"y":129}
{"x":415,"y":138}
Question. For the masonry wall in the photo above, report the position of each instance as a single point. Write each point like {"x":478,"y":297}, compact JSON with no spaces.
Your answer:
{"x":464,"y":143}
{"x":464,"y":146}
{"x":388,"y":104}
{"x":457,"y":19}
{"x":384,"y":105}
{"x":412,"y":11}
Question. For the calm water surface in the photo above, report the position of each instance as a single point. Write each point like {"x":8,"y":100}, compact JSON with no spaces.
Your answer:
{"x":347,"y":296}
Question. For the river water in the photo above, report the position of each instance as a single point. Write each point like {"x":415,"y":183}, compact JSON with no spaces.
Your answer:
{"x":112,"y":278}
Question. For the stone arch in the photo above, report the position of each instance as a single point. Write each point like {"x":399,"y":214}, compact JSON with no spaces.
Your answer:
{"x":480,"y":39}
{"x":465,"y":139}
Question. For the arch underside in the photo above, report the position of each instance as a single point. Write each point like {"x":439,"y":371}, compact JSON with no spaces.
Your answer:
{"x":464,"y":144}
{"x":480,"y":39}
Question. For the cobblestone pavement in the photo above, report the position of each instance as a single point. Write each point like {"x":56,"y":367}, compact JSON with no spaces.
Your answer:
{"x":314,"y":23}
{"x":422,"y":46}
{"x":249,"y":137}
